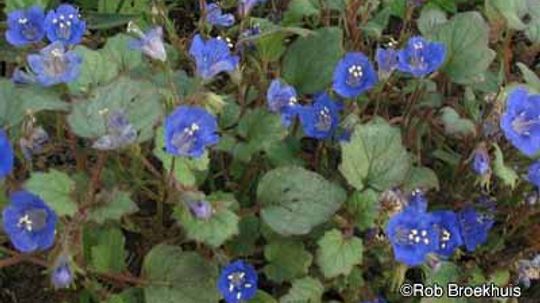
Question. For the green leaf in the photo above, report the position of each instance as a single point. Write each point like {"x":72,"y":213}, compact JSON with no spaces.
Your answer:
{"x":188,"y":171}
{"x":117,"y":50}
{"x":512,"y":11}
{"x":374,"y":157}
{"x":287,"y":259}
{"x":140,"y":100}
{"x":96,"y":70}
{"x":430,"y":19}
{"x":262,"y":297}
{"x":12,"y":5}
{"x":122,"y":6}
{"x":259,"y":129}
{"x":299,"y":9}
{"x":364,"y":207}
{"x":176,"y":276}
{"x":244,"y":243}
{"x":55,"y":189}
{"x":221,"y":226}
{"x":530,"y":77}
{"x":337,"y":255}
{"x":114,"y":205}
{"x":421,"y":177}
{"x":446,"y":273}
{"x":455,"y":125}
{"x":107,"y":20}
{"x":15,"y":102}
{"x":104,"y":249}
{"x":466,"y":36}
{"x":307,"y":289}
{"x":309,"y":63}
{"x":378,"y":23}
{"x":507,"y":175}
{"x":295,"y":200}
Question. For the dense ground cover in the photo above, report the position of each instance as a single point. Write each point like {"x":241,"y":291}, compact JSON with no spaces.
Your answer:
{"x":268,"y":151}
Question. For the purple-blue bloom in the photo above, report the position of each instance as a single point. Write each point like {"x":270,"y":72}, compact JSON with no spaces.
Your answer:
{"x":26,"y":26}
{"x":480,"y":161}
{"x":417,"y":201}
{"x":238,"y":282}
{"x":212,"y":57}
{"x":201,"y":209}
{"x":449,"y":232}
{"x":62,"y":275}
{"x":520,"y":121}
{"x":151,"y":43}
{"x":53,"y":65}
{"x":413,"y":235}
{"x":353,"y":75}
{"x":29,"y":223}
{"x":216,"y":17}
{"x":320,"y":119}
{"x":245,"y":6}
{"x":64,"y":25}
{"x":6,"y":155}
{"x":421,"y":57}
{"x":387,"y":60}
{"x":474,"y":227}
{"x":189,"y":130}
{"x":533,"y":174}
{"x":282,"y":98}
{"x":120,"y":132}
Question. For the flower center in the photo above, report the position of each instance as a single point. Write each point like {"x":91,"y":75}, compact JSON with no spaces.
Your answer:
{"x":354,"y":76}
{"x":28,"y":29}
{"x":324,"y":121}
{"x":412,"y":236}
{"x":522,"y":124}
{"x":237,"y":280}
{"x":445,"y":238}
{"x":55,"y":64}
{"x":33,"y":220}
{"x":185,"y":140}
{"x":63,"y":25}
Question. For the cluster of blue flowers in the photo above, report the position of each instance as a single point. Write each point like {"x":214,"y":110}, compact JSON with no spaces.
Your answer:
{"x":353,"y":75}
{"x":55,"y":63}
{"x":415,"y":233}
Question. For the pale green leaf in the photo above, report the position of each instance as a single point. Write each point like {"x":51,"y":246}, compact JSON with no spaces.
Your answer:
{"x":337,"y":254}
{"x":54,"y":187}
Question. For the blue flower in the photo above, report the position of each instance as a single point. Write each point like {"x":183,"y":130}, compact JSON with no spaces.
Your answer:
{"x":6,"y":155}
{"x":64,"y":25}
{"x":188,"y":130}
{"x":62,"y":275}
{"x":245,"y":6}
{"x":421,"y":57}
{"x":387,"y":60}
{"x":29,"y":222}
{"x":212,"y":57}
{"x":321,"y":118}
{"x":376,"y":300}
{"x":25,"y":26}
{"x":474,"y":227}
{"x":521,"y":121}
{"x":238,"y":282}
{"x":53,"y":65}
{"x":417,"y":201}
{"x":281,"y":98}
{"x":201,"y":209}
{"x":150,"y":43}
{"x":480,"y":161}
{"x":533,"y":174}
{"x":449,"y":232}
{"x":353,"y":75}
{"x":216,"y":17}
{"x":413,"y":235}
{"x":120,"y":132}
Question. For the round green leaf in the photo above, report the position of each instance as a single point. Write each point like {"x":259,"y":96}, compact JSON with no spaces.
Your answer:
{"x":295,"y":200}
{"x":338,"y":255}
{"x":374,"y":157}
